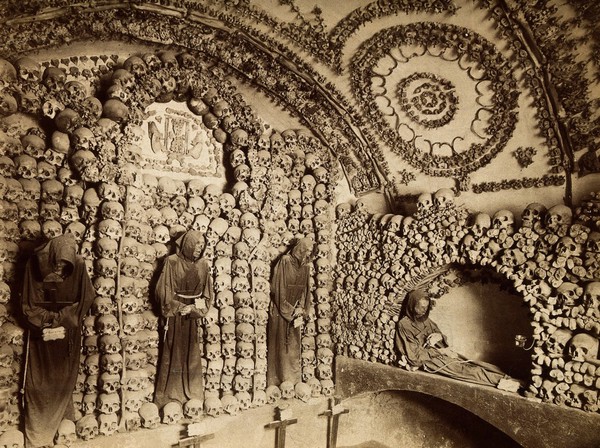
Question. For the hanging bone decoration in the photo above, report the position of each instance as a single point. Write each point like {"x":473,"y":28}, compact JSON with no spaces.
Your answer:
{"x":551,"y":260}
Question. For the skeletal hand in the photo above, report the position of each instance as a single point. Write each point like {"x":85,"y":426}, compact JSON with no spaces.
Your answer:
{"x":433,"y":339}
{"x":186,"y":310}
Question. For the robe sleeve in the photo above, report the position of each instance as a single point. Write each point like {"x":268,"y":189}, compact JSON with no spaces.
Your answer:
{"x":436,"y":329}
{"x":409,"y":344}
{"x":165,"y":290}
{"x":308,"y":298}
{"x":37,"y":317}
{"x":72,"y":316}
{"x":278,"y":288}
{"x":207,"y":290}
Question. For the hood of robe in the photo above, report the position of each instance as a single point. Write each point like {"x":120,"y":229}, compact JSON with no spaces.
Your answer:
{"x":302,"y":246}
{"x":186,"y":244}
{"x":412,"y":299}
{"x":62,"y":248}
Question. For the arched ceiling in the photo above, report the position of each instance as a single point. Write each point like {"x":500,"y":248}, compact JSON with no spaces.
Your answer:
{"x":481,"y":96}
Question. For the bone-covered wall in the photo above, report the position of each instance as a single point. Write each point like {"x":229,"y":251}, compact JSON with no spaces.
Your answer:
{"x":550,"y":260}
{"x":126,"y":164}
{"x":127,"y":123}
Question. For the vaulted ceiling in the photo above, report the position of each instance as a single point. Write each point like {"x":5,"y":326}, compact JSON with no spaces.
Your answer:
{"x":484,"y":96}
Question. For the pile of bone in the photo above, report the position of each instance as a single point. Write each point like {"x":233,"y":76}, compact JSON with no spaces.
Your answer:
{"x":39,"y":195}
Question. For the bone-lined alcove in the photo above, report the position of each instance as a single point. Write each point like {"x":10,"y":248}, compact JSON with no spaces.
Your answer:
{"x":447,"y":146}
{"x":548,"y":259}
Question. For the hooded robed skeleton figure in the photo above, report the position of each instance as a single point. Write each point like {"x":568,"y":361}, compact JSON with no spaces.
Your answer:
{"x":290,"y":304}
{"x":420,"y":340}
{"x":57,"y":293}
{"x":184,"y":292}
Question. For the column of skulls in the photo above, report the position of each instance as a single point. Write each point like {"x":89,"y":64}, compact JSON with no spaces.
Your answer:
{"x":42,"y":194}
{"x":139,"y":323}
{"x":297,"y":204}
{"x":12,"y":226}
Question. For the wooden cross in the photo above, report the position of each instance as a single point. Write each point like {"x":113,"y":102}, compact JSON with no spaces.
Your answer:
{"x":195,"y":441}
{"x":333,"y":415}
{"x":281,"y":425}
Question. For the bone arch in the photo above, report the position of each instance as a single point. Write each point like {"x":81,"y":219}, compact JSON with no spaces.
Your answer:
{"x":353,"y":151}
{"x":399,"y":254}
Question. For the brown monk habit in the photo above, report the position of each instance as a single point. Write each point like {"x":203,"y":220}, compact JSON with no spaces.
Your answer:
{"x":412,"y":334}
{"x":290,"y":289}
{"x":179,"y":374}
{"x":49,"y":301}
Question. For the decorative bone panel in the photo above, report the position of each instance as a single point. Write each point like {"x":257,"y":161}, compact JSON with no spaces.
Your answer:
{"x":126,"y":195}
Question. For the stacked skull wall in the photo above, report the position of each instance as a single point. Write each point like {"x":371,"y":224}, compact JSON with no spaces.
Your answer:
{"x":551,"y":259}
{"x":75,"y":164}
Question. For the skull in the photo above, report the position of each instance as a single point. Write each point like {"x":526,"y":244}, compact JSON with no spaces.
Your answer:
{"x":245,"y":367}
{"x":149,"y":415}
{"x":106,"y":267}
{"x":8,"y":104}
{"x":583,"y":347}
{"x":230,"y":404}
{"x":192,"y":409}
{"x":245,"y":350}
{"x":87,"y":427}
{"x":107,"y":324}
{"x":273,"y":394}
{"x":481,"y":224}
{"x":287,"y":390}
{"x":424,"y":202}
{"x":109,"y":344}
{"x":328,"y":387}
{"x":104,"y":286}
{"x":503,"y":219}
{"x":558,"y":217}
{"x":566,"y":247}
{"x":54,"y":78}
{"x":26,"y":166}
{"x":558,"y":340}
{"x":444,"y":197}
{"x":213,"y":406}
{"x":111,"y":363}
{"x":569,"y":293}
{"x":32,"y":189}
{"x":103,"y":305}
{"x":108,"y":424}
{"x":65,"y":435}
{"x":303,"y":392}
{"x":172,"y":413}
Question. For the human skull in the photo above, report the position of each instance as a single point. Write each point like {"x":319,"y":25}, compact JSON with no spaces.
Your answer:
{"x":557,"y":342}
{"x":503,"y":219}
{"x":213,"y":406}
{"x":569,"y":293}
{"x":108,"y":424}
{"x":481,"y":224}
{"x":583,"y":347}
{"x":172,"y":413}
{"x":87,"y":427}
{"x":149,"y":415}
{"x":273,"y":394}
{"x":558,"y":217}
{"x":287,"y":390}
{"x":107,"y":324}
